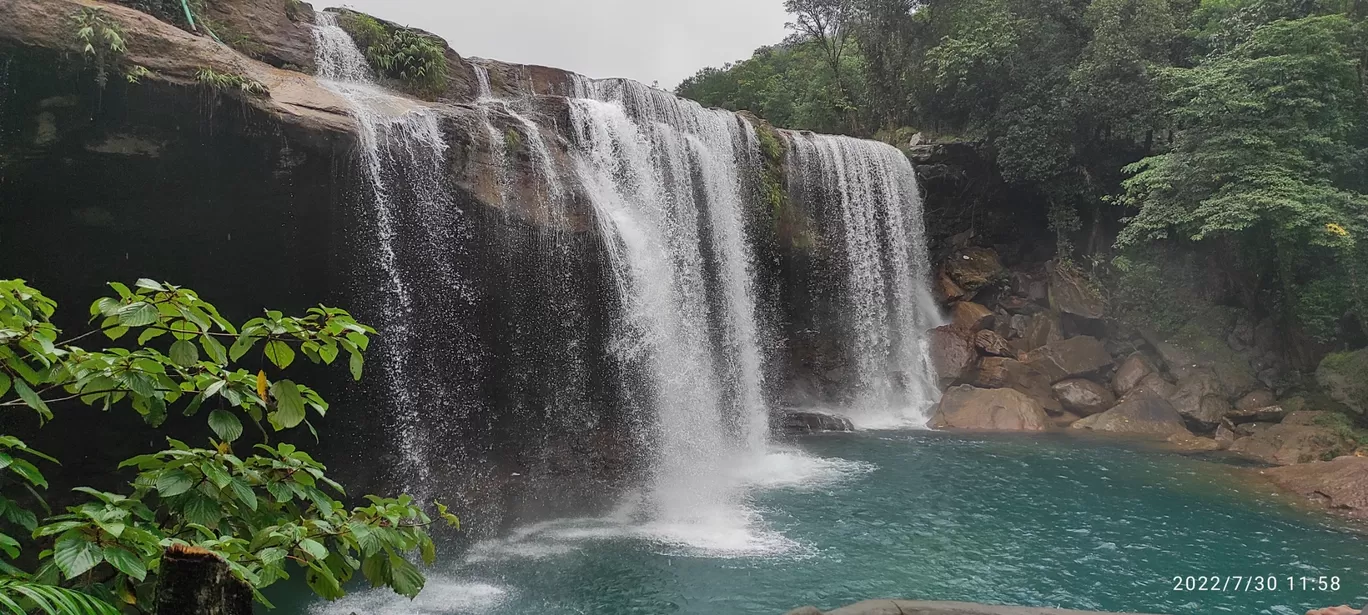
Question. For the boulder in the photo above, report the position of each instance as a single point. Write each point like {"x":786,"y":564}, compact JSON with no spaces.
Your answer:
{"x":1307,"y":417}
{"x":1142,"y":415}
{"x":1258,"y":398}
{"x":1225,"y":436}
{"x":1340,"y":485}
{"x":973,"y":268}
{"x":1064,"y":419}
{"x":1031,"y":286}
{"x":1131,"y":371}
{"x":1071,"y":293}
{"x":277,"y":33}
{"x":1071,"y":358}
{"x":1042,"y":329}
{"x":1344,"y":375}
{"x":990,"y":343}
{"x":1288,"y":444}
{"x":966,"y":407}
{"x":951,"y":354}
{"x":1195,"y":352}
{"x":1154,"y":384}
{"x":970,"y":317}
{"x":919,"y":607}
{"x":946,"y":289}
{"x":1017,"y":326}
{"x":1188,"y":442}
{"x":1083,"y":397}
{"x":1270,"y":414}
{"x":1199,"y":399}
{"x":1003,"y":373}
{"x":801,"y":423}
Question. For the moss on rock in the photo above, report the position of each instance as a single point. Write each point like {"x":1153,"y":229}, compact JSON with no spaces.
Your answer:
{"x":1344,"y":376}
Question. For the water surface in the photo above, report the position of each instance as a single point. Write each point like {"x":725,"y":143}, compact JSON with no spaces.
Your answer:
{"x":1046,"y":521}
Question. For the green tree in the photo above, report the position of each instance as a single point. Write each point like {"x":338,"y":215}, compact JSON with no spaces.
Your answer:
{"x":1268,"y":145}
{"x":268,"y":510}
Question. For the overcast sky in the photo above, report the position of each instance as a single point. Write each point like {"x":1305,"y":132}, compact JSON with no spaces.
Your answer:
{"x":646,"y":40}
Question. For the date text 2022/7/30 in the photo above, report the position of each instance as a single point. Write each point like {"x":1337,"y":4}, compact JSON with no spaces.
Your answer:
{"x":1255,"y":583}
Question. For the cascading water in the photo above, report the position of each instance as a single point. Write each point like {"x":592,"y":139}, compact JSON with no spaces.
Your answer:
{"x":664,"y":178}
{"x":873,"y":190}
{"x":402,"y":153}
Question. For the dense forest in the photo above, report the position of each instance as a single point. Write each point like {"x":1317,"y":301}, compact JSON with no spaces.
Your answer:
{"x":1170,"y":138}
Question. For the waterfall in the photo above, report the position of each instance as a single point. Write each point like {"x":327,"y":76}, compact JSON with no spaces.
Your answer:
{"x":878,"y":212}
{"x":402,"y":153}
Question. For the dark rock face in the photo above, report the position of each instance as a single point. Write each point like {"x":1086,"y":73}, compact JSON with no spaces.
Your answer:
{"x":801,"y":423}
{"x":973,"y":268}
{"x":1142,"y":415}
{"x":968,"y":408}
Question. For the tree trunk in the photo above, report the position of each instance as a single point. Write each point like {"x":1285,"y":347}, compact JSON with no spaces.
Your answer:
{"x":194,"y":581}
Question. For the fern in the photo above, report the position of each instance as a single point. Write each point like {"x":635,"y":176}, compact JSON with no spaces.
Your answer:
{"x":21,"y":597}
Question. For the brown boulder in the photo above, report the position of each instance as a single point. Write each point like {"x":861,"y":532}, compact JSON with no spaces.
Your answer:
{"x":973,"y":268}
{"x":990,"y":343}
{"x":1258,"y":398}
{"x":1002,"y":373}
{"x":946,"y":289}
{"x":966,"y":407}
{"x":1083,"y":397}
{"x":1143,"y":415}
{"x":1131,"y":371}
{"x":1071,"y":358}
{"x":1198,"y":398}
{"x":951,"y":354}
{"x":275,"y":32}
{"x":1153,"y":384}
{"x":1041,"y":329}
{"x":1289,"y":444}
{"x":969,"y":317}
{"x":1071,"y":293}
{"x":1341,"y":484}
{"x":1188,"y":442}
{"x":1307,"y":417}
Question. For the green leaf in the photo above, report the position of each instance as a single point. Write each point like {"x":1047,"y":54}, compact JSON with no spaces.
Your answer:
{"x":279,"y":353}
{"x":355,"y":365}
{"x":149,"y":285}
{"x":149,"y":334}
{"x":75,"y":554}
{"x":289,"y":405}
{"x":376,"y":569}
{"x":31,"y":398}
{"x":243,"y":492}
{"x":226,"y":425}
{"x":314,"y":548}
{"x":241,"y":345}
{"x":214,"y":349}
{"x":28,"y":472}
{"x":9,"y":545}
{"x":200,"y":509}
{"x":184,"y":353}
{"x":406,"y":579}
{"x":174,"y":482}
{"x":139,"y":314}
{"x":4,"y":383}
{"x":126,"y":562}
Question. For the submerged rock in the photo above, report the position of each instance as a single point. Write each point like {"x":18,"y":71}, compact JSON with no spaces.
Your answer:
{"x":802,"y":423}
{"x":966,"y":407}
{"x":918,"y":607}
{"x":1145,"y":415}
{"x":1340,"y":485}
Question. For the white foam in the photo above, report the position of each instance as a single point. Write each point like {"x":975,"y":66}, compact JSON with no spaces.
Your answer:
{"x":784,"y":468}
{"x":441,"y":596}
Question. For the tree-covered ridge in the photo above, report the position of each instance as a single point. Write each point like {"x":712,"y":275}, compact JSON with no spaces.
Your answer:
{"x":1231,"y":123}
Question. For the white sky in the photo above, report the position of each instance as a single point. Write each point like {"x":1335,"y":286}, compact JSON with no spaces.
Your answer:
{"x":646,"y":40}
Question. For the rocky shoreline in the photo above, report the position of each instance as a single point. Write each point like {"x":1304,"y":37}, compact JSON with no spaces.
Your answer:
{"x":1033,"y":348}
